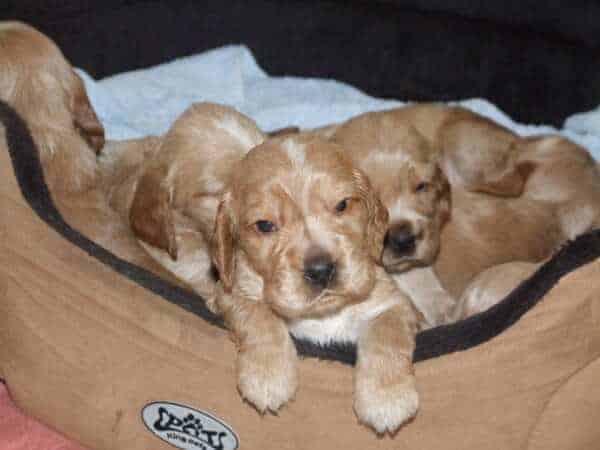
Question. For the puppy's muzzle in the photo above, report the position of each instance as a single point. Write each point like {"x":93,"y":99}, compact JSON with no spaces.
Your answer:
{"x":401,"y":240}
{"x":319,"y":270}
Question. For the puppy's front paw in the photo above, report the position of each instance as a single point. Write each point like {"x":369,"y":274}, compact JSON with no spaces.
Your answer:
{"x":267,"y":376}
{"x":384,"y":400}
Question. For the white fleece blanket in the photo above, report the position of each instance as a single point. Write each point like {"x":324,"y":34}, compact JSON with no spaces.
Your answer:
{"x":143,"y":102}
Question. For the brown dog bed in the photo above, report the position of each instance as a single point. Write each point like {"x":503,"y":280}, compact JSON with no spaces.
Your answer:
{"x":116,"y":358}
{"x":91,"y":347}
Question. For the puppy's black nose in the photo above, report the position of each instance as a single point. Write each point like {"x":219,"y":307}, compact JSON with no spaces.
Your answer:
{"x":400,"y":240}
{"x":319,"y":270}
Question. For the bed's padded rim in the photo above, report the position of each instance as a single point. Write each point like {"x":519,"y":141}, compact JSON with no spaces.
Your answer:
{"x":430,"y":344}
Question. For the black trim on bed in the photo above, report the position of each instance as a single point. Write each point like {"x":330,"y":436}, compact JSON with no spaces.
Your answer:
{"x":431,"y":343}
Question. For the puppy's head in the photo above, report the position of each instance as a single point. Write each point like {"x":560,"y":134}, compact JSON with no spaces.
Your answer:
{"x":404,"y":170}
{"x":188,"y":173}
{"x":300,"y":216}
{"x":41,"y":85}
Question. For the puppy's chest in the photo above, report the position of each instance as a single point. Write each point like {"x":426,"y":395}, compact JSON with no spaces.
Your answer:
{"x":344,"y":326}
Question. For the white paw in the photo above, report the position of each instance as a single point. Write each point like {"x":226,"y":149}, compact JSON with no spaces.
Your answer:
{"x":267,"y":378}
{"x":384,"y":406}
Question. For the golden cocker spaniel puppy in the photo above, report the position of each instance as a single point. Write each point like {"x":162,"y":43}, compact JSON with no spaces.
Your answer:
{"x":299,"y":233}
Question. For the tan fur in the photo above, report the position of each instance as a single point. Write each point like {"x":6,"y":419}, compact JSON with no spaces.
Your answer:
{"x":476,"y":153}
{"x":397,"y":158}
{"x":545,"y":190}
{"x":491,"y":286}
{"x":560,"y":200}
{"x":485,"y":232}
{"x":165,"y":188}
{"x":567,"y":178}
{"x":433,"y":302}
{"x":40,"y":84}
{"x":170,"y":196}
{"x":32,"y":68}
{"x":296,"y":184}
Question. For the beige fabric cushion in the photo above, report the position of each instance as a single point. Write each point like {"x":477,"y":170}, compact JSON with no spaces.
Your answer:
{"x":84,"y":349}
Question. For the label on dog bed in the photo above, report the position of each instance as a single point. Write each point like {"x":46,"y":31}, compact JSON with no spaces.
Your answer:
{"x":187,"y":428}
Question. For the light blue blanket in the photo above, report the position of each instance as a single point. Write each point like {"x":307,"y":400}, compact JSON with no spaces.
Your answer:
{"x":143,"y":102}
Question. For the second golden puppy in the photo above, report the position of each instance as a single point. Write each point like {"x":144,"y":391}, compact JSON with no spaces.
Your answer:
{"x":168,"y":188}
{"x":298,"y":235}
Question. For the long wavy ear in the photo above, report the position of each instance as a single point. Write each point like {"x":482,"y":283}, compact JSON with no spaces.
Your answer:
{"x":378,"y":215}
{"x":151,"y":215}
{"x":84,"y":116}
{"x":480,"y":156}
{"x":223,"y":242}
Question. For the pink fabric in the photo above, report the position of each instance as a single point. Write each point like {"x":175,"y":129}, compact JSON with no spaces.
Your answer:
{"x":20,"y":432}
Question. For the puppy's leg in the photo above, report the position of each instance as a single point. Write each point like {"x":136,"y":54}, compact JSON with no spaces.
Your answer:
{"x":428,"y":295}
{"x":491,"y":286}
{"x":266,"y":364}
{"x":385,"y":394}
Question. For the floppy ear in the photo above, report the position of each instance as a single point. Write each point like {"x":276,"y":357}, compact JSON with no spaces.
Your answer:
{"x":84,"y":117}
{"x":223,"y":243}
{"x":483,"y":157}
{"x":378,"y":215}
{"x":151,"y":216}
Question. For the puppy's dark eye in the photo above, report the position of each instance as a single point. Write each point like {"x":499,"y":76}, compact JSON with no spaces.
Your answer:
{"x":264,"y":226}
{"x":341,"y":206}
{"x":422,"y":187}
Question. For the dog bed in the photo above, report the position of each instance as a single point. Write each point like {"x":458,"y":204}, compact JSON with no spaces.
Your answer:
{"x":115,"y":358}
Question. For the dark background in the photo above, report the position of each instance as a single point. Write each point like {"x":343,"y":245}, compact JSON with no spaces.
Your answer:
{"x":537,"y":60}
